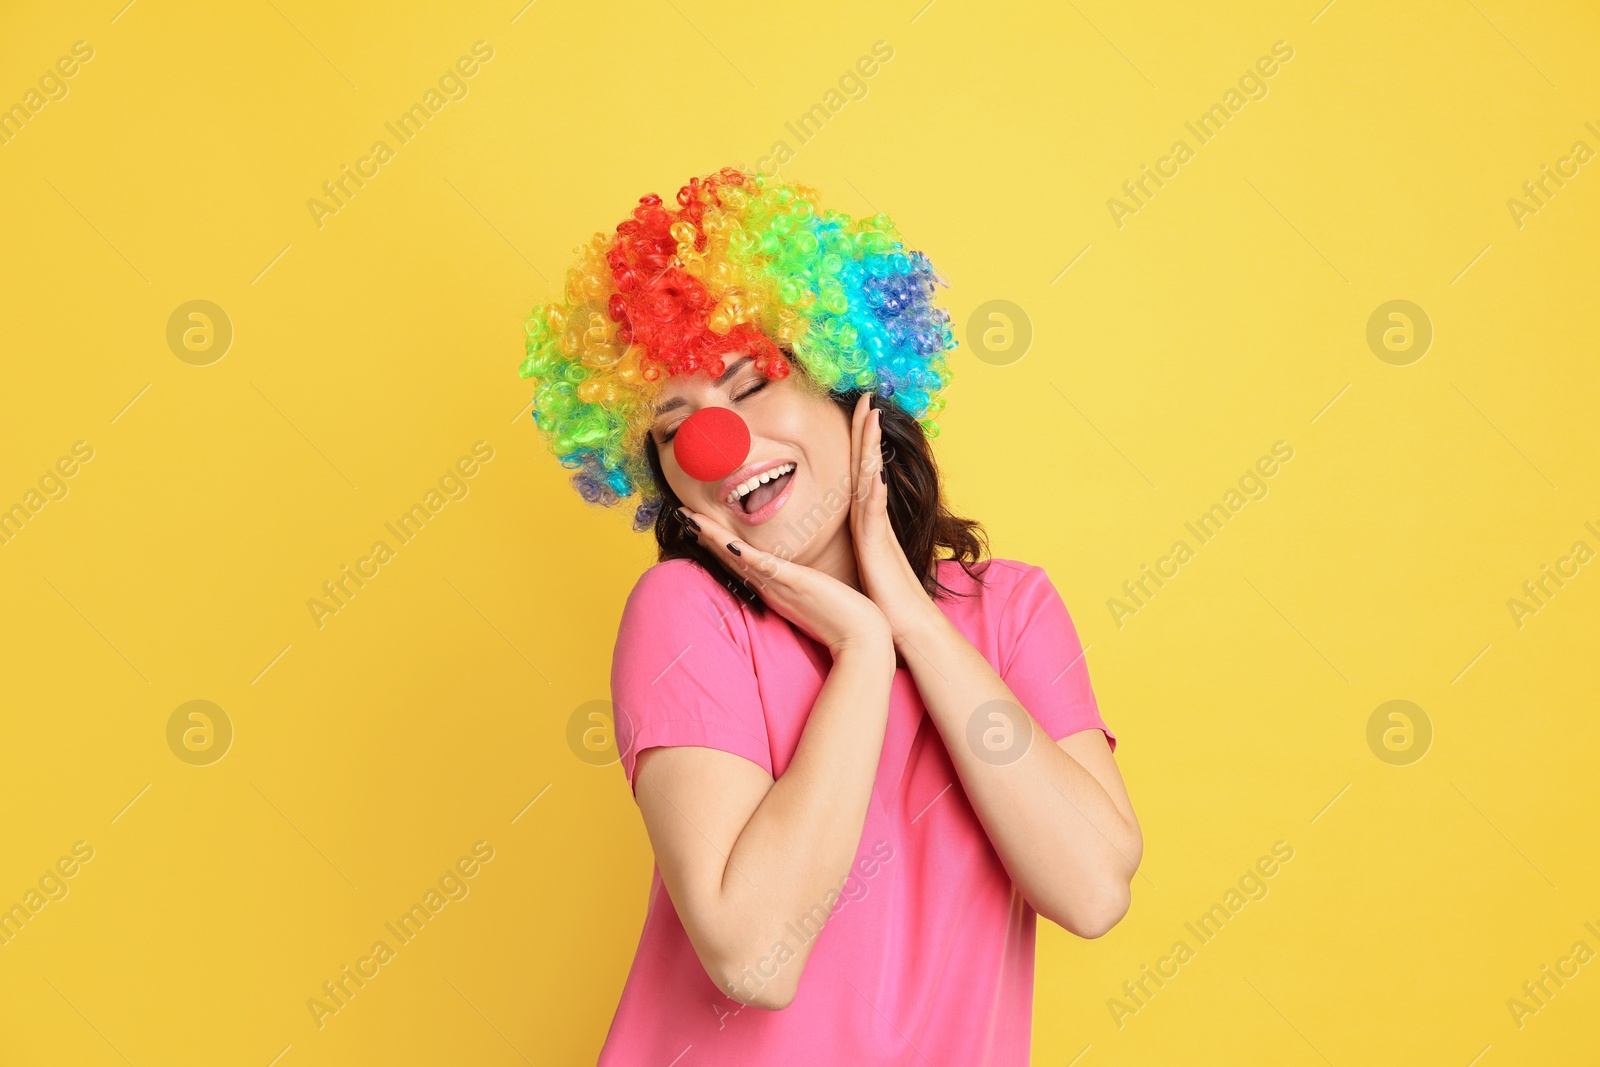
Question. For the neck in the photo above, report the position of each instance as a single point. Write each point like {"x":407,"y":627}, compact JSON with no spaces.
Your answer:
{"x":838,"y":559}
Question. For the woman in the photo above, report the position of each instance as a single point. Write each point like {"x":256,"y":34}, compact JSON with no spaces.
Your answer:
{"x":863,"y":768}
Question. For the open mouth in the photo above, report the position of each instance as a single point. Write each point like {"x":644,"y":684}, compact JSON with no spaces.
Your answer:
{"x":761,"y":490}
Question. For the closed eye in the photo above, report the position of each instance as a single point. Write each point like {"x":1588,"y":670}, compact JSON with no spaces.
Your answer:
{"x":747,"y":394}
{"x":754,"y":390}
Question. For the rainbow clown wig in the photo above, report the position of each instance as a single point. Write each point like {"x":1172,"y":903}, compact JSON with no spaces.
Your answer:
{"x":745,"y":262}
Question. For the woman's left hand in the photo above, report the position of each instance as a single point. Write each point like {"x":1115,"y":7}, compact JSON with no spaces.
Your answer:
{"x":886,"y":575}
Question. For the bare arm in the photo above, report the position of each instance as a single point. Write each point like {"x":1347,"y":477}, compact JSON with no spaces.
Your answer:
{"x":1058,"y":814}
{"x":743,"y":856}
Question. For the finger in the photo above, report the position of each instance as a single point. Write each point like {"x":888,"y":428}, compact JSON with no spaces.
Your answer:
{"x":871,"y":459}
{"x":872,"y":444}
{"x":858,"y":420}
{"x":877,"y":491}
{"x":740,"y":557}
{"x":861,"y":488}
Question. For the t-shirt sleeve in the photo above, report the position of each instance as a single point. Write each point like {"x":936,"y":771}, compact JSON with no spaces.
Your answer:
{"x":682,"y":671}
{"x":1043,"y":661}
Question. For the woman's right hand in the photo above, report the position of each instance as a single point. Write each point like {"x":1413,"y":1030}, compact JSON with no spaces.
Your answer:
{"x":821,"y":606}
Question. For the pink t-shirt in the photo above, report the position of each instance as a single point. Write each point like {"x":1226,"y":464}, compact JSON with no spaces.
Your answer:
{"x":927,"y":957}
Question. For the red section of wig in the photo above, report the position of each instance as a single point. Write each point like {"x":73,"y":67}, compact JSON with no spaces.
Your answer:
{"x":664,"y":309}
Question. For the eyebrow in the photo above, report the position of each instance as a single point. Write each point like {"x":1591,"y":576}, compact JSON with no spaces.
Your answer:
{"x":678,"y":402}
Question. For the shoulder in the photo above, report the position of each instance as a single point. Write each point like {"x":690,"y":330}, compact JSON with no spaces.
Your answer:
{"x":992,"y":605}
{"x":680,"y":596}
{"x":678,"y":582}
{"x":1010,"y":598}
{"x":997,"y":580}
{"x":672,"y":578}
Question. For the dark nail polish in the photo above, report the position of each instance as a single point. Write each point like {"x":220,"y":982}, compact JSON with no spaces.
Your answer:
{"x":689,"y":522}
{"x":734,"y":549}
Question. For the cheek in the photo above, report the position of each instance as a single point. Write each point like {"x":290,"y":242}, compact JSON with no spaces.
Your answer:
{"x":823,"y":442}
{"x":696,"y":494}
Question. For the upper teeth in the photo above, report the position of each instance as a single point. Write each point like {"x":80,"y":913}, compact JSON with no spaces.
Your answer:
{"x":765,"y":476}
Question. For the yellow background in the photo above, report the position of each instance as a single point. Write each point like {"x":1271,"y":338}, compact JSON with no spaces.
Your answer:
{"x":372,"y":352}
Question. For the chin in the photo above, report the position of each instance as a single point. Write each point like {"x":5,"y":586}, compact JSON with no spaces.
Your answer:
{"x":791,"y":536}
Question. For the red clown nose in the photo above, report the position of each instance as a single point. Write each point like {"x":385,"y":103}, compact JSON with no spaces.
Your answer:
{"x":711,"y":443}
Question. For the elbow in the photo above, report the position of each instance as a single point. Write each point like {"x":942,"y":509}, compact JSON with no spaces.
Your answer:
{"x":770,"y":984}
{"x":1095,"y":916}
{"x":770,"y":998}
{"x":1111,"y":907}
{"x":1105,"y":908}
